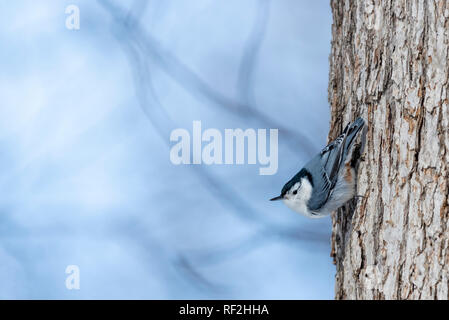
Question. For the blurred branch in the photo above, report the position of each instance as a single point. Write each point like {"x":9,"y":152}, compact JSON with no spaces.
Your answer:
{"x":190,"y":81}
{"x":240,"y":248}
{"x":245,"y":82}
{"x":137,"y":11}
{"x":139,"y":47}
{"x":153,"y":251}
{"x":154,"y":111}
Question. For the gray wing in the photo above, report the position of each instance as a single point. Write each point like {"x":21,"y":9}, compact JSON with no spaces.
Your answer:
{"x":332,"y":156}
{"x":326,"y":166}
{"x":328,"y":162}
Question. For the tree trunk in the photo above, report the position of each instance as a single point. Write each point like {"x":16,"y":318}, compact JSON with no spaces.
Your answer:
{"x":389,"y":64}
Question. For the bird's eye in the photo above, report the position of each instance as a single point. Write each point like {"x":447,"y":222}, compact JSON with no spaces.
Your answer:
{"x":295,"y":192}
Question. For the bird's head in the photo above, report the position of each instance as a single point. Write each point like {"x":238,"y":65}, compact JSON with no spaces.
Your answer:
{"x":297,"y":192}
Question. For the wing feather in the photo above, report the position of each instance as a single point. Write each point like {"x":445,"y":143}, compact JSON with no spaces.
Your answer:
{"x":330,"y":158}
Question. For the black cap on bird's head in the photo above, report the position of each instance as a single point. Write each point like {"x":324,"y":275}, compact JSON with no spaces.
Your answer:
{"x":297,"y":178}
{"x":285,"y":189}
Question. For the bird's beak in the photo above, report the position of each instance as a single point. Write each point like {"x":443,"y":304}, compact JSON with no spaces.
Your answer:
{"x":277,"y":198}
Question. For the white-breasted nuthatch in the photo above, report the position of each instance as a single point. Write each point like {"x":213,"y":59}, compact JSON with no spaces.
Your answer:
{"x":327,"y":181}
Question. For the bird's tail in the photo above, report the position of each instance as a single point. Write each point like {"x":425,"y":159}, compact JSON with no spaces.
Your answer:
{"x":352,"y":132}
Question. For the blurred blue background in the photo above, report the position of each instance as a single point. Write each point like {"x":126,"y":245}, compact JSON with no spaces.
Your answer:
{"x":85,"y":175}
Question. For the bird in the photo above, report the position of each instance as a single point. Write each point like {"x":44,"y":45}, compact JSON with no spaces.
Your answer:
{"x":328,"y":180}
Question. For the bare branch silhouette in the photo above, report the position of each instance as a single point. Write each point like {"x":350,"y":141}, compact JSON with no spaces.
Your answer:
{"x":189,"y":80}
{"x":245,"y":82}
{"x":139,"y":47}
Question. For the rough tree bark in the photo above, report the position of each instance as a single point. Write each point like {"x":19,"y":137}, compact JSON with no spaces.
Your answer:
{"x":389,"y":64}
